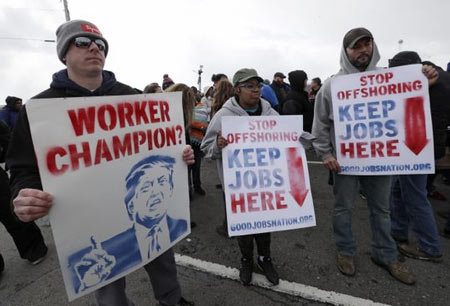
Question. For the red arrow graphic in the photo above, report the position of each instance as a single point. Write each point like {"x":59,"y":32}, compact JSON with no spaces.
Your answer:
{"x":415,"y":126}
{"x":296,"y":175}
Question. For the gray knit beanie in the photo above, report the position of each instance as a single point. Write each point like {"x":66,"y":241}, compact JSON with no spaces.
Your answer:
{"x":72,"y":29}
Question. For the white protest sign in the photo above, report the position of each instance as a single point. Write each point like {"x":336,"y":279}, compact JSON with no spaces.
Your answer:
{"x":382,"y":122}
{"x":266,"y":176}
{"x":114,"y":165}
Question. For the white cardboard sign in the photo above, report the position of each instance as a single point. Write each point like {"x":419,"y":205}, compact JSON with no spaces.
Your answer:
{"x":382,"y":122}
{"x":114,"y":166}
{"x":266,"y":175}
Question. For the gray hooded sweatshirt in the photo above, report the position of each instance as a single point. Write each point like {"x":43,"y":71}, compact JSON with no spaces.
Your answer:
{"x":230,"y":108}
{"x":323,"y":123}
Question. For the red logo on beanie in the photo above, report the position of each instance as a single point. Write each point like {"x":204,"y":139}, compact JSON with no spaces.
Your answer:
{"x":90,"y":28}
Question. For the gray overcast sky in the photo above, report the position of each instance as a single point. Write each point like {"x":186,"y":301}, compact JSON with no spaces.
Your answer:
{"x":150,"y":38}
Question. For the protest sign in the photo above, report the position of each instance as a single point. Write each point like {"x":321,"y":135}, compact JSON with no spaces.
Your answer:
{"x":266,"y":176}
{"x":382,"y":122}
{"x":114,"y":166}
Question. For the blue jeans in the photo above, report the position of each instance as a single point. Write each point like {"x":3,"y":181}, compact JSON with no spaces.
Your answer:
{"x":377,"y":189}
{"x":410,"y":206}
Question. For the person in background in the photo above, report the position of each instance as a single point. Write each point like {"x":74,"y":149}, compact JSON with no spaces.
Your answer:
{"x":27,"y":236}
{"x":280,"y":87}
{"x":223,"y":91}
{"x":167,"y":82}
{"x":197,"y":132}
{"x":197,"y":93}
{"x":222,"y":94}
{"x":316,"y":83}
{"x":297,"y":99}
{"x":9,"y":113}
{"x":153,"y":88}
{"x":216,"y":78}
{"x":409,"y":204}
{"x":269,"y":94}
{"x":188,"y":101}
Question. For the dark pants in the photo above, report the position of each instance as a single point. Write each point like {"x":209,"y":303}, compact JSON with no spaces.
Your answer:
{"x":26,"y":236}
{"x":411,"y":208}
{"x":262,"y":245}
{"x":430,"y":179}
{"x":195,"y":168}
{"x":163,"y":276}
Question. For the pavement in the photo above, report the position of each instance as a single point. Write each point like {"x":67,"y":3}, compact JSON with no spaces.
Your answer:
{"x":208,"y":263}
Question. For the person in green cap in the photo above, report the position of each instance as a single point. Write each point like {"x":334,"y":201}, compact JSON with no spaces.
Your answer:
{"x":246,"y":102}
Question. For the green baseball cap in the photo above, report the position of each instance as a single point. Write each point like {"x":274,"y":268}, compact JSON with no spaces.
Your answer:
{"x":245,"y":74}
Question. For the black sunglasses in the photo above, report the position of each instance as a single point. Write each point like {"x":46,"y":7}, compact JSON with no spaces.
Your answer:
{"x":85,"y":43}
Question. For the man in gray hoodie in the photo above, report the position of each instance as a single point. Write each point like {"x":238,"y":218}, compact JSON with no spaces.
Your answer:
{"x":359,"y":53}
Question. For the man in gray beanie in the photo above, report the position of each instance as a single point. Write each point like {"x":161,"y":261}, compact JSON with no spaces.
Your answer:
{"x":83,"y":49}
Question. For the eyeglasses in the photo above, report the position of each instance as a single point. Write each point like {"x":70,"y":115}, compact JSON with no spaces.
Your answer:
{"x":85,"y":43}
{"x":251,"y":86}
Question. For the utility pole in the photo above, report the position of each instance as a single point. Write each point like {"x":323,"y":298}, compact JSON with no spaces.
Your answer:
{"x":199,"y":81}
{"x":66,"y":10}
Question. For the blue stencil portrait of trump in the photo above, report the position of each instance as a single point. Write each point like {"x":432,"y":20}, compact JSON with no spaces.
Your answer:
{"x":149,"y":188}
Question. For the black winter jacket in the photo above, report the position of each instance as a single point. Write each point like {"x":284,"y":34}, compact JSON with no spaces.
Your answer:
{"x":440,"y":111}
{"x":297,"y":102}
{"x":20,"y":158}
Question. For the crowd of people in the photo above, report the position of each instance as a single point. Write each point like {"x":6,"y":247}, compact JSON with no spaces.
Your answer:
{"x":395,"y":203}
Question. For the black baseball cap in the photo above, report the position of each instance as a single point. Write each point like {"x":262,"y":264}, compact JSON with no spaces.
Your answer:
{"x":279,"y":74}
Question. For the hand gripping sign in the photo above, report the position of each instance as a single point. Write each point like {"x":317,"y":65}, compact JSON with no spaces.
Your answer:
{"x":382,"y":122}
{"x":265,"y":175}
{"x":115,"y":168}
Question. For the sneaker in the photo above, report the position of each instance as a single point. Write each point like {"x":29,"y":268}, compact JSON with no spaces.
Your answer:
{"x":267,"y":268}
{"x":362,"y":194}
{"x":199,"y":190}
{"x":39,"y":255}
{"x":2,"y":264}
{"x":416,"y":253}
{"x":398,"y":271}
{"x":435,"y":195}
{"x":346,"y":265}
{"x":245,"y":273}
{"x":181,"y":302}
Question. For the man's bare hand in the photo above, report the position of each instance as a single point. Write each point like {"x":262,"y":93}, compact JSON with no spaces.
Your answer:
{"x":188,"y":155}
{"x":431,"y":73}
{"x":32,"y":204}
{"x":332,"y":164}
{"x":221,"y":142}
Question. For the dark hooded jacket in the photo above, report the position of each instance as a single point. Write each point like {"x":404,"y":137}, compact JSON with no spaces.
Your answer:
{"x":9,"y":112}
{"x":440,"y":111}
{"x":297,"y":102}
{"x":20,"y":158}
{"x":4,"y":140}
{"x":439,"y":99}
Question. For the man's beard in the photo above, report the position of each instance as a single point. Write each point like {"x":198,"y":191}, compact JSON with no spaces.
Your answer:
{"x":361,"y":65}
